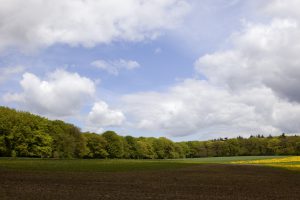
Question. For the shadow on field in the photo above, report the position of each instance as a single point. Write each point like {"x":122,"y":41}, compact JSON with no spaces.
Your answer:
{"x":197,"y":182}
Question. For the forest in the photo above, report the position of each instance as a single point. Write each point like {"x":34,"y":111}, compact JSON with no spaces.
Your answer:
{"x":23,"y":134}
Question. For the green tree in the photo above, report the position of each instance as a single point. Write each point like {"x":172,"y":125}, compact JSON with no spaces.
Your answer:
{"x":164,"y":148}
{"x":114,"y":146}
{"x":131,"y":146}
{"x":273,"y":146}
{"x":96,"y":146}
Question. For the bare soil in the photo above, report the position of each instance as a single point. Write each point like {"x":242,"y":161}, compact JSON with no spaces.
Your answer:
{"x":197,"y":182}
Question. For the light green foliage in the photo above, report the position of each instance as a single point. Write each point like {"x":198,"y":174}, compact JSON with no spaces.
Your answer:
{"x":131,"y":147}
{"x":96,"y":146}
{"x":26,"y":135}
{"x":183,"y":149}
{"x":40,"y":144}
{"x":164,"y":148}
{"x":273,"y":145}
{"x":114,"y":147}
{"x":145,"y":149}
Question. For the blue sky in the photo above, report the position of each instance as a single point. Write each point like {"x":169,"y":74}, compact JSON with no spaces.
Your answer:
{"x":183,"y":69}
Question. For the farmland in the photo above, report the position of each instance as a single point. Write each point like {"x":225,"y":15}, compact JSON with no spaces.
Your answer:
{"x":290,"y":163}
{"x":203,"y":178}
{"x":111,"y":165}
{"x":44,"y":159}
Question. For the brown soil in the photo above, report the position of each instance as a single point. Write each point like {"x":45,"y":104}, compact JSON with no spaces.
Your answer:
{"x":200,"y":182}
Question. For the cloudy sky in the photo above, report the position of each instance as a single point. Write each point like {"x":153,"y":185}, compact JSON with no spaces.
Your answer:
{"x":184,"y":69}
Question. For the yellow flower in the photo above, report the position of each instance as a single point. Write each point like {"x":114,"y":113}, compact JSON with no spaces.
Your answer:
{"x":291,"y":162}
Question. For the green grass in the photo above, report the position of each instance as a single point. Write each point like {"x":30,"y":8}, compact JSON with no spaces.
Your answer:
{"x":225,"y":160}
{"x":96,"y":165}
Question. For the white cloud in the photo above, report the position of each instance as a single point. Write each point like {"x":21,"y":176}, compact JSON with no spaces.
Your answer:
{"x":284,"y":8}
{"x":61,"y":94}
{"x":250,"y":88}
{"x":7,"y":72}
{"x":114,"y":66}
{"x":262,"y":55}
{"x":197,"y":107}
{"x":102,"y":116}
{"x":31,"y":24}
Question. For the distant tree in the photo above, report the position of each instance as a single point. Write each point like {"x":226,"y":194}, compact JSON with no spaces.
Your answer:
{"x":197,"y":149}
{"x":144,"y":149}
{"x":184,"y":149}
{"x":131,"y":147}
{"x":2,"y":146}
{"x":26,"y":135}
{"x":164,"y":148}
{"x":114,"y":146}
{"x":40,"y":145}
{"x":273,"y":146}
{"x":297,"y":148}
{"x":96,"y":146}
{"x":233,"y":147}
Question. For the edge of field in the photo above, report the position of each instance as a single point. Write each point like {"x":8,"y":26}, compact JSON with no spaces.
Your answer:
{"x":115,"y":165}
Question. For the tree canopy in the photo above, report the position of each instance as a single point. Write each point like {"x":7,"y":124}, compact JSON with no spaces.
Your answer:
{"x":23,"y":134}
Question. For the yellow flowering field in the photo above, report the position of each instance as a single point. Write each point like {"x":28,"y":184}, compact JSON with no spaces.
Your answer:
{"x":290,"y":162}
{"x":270,"y":161}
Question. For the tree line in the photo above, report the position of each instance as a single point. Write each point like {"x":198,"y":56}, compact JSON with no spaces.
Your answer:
{"x":23,"y":134}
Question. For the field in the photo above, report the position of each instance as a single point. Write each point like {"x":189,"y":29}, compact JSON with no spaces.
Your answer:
{"x":205,"y":178}
{"x":290,"y":163}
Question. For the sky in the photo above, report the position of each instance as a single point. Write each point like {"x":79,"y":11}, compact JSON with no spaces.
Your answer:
{"x":182,"y":69}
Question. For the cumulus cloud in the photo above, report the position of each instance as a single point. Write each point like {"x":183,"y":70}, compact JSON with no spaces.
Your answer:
{"x":61,"y":94}
{"x":102,"y":116}
{"x":249,"y":88}
{"x":197,"y":107}
{"x":114,"y":66}
{"x":31,"y":24}
{"x":284,"y":8}
{"x":263,"y":54}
